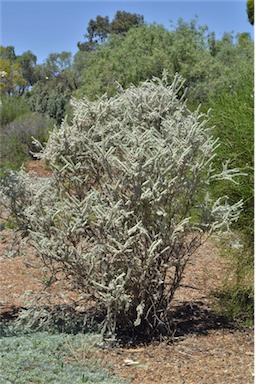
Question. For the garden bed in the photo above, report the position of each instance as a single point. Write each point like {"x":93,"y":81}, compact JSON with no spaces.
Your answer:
{"x":204,"y":348}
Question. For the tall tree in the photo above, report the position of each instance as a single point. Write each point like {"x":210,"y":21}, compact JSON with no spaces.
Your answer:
{"x":250,"y":10}
{"x":8,"y":52}
{"x":27,"y":62}
{"x":53,"y":67}
{"x":123,"y":21}
{"x":98,"y":30}
{"x":18,"y":71}
{"x":11,"y":80}
{"x":57,"y":63}
{"x":87,"y":46}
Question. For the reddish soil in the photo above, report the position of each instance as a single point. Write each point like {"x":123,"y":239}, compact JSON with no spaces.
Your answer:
{"x":205,"y":348}
{"x":37,"y":168}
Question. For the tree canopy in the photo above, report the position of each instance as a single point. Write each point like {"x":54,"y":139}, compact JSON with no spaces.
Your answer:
{"x":250,"y":11}
{"x":98,"y":30}
{"x":206,"y":63}
{"x":11,"y":79}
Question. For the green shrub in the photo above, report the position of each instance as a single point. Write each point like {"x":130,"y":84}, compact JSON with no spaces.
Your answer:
{"x":237,"y":303}
{"x":208,"y":65}
{"x":12,"y":153}
{"x":237,"y":294}
{"x":49,"y":98}
{"x":117,"y":217}
{"x":11,"y":108}
{"x":17,"y":139}
{"x":233,"y":116}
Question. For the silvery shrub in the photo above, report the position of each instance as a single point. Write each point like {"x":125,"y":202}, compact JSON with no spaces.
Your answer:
{"x":128,"y":202}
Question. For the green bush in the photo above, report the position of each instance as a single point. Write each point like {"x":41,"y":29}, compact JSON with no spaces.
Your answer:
{"x":233,"y":116}
{"x":208,"y":65}
{"x":49,"y":98}
{"x":237,"y":294}
{"x":145,"y":52}
{"x":16,"y":139}
{"x":11,"y":108}
{"x":13,"y":154}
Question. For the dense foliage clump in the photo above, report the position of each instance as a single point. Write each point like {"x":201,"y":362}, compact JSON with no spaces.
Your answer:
{"x":209,"y":66}
{"x":233,"y":116}
{"x":16,"y":134}
{"x":128,"y":203}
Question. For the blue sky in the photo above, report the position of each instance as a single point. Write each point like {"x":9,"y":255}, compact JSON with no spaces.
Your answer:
{"x":55,"y":26}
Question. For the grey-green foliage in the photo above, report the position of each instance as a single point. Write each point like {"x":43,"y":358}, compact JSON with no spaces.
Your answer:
{"x":49,"y":98}
{"x":128,"y":203}
{"x":57,"y":359}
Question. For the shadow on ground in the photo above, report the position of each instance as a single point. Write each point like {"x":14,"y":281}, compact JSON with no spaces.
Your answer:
{"x":196,"y":318}
{"x":188,"y":318}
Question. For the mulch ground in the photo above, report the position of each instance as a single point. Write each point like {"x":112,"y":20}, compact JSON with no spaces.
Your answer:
{"x":205,"y":348}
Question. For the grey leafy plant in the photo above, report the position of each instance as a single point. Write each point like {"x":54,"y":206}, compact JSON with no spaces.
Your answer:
{"x":44,"y":358}
{"x":128,"y":202}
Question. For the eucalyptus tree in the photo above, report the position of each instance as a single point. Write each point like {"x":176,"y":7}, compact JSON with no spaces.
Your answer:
{"x":250,"y":11}
{"x":98,"y":30}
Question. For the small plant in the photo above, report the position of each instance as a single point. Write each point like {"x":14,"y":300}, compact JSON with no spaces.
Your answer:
{"x":128,"y":203}
{"x":43,"y":358}
{"x":236,"y":297}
